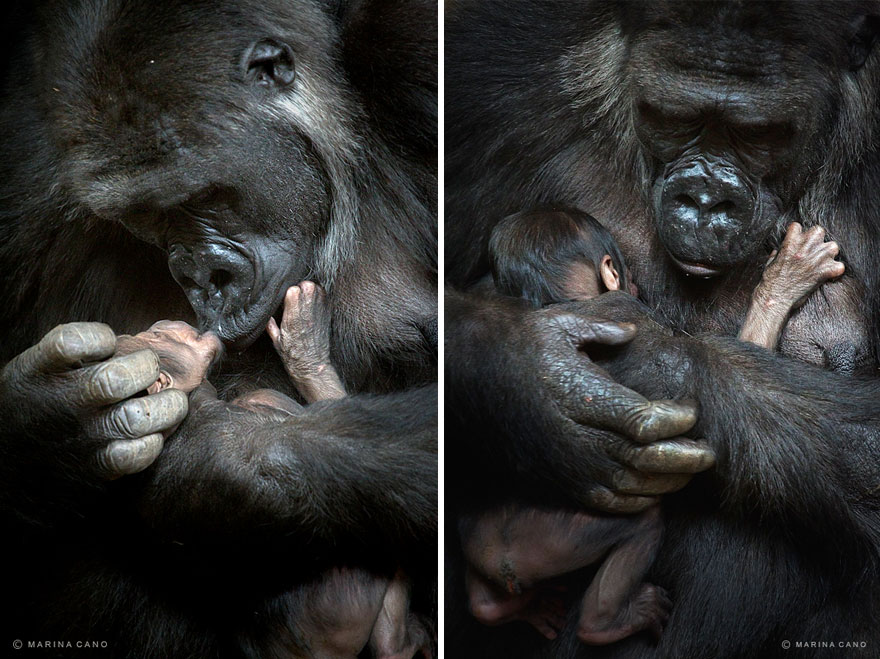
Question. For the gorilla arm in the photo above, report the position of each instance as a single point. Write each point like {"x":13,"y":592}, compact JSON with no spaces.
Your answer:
{"x":335,"y":474}
{"x":793,"y":442}
{"x":529,"y":401}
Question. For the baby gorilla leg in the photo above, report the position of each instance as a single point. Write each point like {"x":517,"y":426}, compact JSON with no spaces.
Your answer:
{"x":540,"y":606}
{"x":617,"y":604}
{"x":398,"y":634}
{"x":513,"y":550}
{"x":303,"y":342}
{"x":335,"y":614}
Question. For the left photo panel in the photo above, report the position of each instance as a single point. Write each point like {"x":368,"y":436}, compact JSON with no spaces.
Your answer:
{"x":218,"y":325}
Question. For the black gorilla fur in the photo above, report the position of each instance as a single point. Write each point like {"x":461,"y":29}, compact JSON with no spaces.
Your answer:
{"x":130,"y":126}
{"x":780,"y":541}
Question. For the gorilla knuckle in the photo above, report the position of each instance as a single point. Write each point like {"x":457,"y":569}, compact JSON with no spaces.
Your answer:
{"x":74,"y":341}
{"x":130,"y":419}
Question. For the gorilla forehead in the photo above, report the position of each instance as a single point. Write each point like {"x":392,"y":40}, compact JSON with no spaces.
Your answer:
{"x":750,"y":39}
{"x":179,"y":95}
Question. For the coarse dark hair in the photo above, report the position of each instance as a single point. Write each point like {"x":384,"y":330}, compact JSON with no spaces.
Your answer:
{"x":531,"y":252}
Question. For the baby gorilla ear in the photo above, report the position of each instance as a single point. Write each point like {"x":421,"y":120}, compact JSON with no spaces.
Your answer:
{"x":269,"y":63}
{"x":609,"y":275}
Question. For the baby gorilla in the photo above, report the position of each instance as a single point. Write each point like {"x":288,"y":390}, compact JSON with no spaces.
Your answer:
{"x":557,"y":255}
{"x":343,"y":610}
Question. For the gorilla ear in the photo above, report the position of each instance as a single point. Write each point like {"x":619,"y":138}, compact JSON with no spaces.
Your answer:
{"x":865,"y":31}
{"x":269,"y":63}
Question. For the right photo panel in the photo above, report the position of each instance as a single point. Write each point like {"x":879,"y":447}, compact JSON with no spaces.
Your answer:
{"x":662,"y":325}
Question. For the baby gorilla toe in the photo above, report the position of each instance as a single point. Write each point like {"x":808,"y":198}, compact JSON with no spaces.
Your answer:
{"x":647,"y":610}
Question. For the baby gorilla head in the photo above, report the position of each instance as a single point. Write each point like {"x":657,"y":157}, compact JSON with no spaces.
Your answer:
{"x":554,"y":255}
{"x":185,"y":356}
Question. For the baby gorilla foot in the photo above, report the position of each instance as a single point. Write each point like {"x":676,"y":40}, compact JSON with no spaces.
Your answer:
{"x":647,"y":610}
{"x":303,"y":342}
{"x":546,"y":613}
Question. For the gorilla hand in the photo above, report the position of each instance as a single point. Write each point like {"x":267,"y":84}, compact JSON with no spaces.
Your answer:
{"x":68,"y":381}
{"x":603,"y":444}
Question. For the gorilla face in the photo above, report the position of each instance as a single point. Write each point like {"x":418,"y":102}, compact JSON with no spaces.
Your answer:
{"x":732,"y":106}
{"x":219,"y":145}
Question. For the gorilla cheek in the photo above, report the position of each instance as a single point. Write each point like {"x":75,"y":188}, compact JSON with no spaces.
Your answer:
{"x":709,"y":216}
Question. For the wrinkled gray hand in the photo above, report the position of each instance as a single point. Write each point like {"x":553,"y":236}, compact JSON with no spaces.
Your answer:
{"x":646,"y":453}
{"x":70,"y":382}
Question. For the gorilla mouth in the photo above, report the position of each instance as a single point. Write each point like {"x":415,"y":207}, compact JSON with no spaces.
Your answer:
{"x":696,"y":269}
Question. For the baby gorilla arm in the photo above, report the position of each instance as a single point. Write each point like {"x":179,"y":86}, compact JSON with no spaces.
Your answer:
{"x":303,"y":342}
{"x":804,"y":262}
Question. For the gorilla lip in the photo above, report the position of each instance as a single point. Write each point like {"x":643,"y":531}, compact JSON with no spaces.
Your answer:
{"x":696,"y":269}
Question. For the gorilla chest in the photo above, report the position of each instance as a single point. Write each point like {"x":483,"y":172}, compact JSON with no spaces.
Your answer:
{"x":830,"y":330}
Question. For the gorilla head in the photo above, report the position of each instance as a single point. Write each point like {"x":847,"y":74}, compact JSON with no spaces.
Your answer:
{"x":230,"y":145}
{"x":735,"y":107}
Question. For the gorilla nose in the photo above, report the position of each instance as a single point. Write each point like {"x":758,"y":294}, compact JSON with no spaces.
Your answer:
{"x":705,"y":210}
{"x":215,"y":278}
{"x":701,"y":209}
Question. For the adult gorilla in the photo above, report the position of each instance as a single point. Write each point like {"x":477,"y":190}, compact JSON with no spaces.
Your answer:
{"x":193,"y":160}
{"x":697,"y":132}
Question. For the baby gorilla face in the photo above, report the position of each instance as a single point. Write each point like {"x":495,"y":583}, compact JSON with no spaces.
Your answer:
{"x":185,"y":356}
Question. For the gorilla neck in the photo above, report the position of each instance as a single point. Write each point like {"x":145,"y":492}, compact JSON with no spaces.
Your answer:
{"x":384,"y":294}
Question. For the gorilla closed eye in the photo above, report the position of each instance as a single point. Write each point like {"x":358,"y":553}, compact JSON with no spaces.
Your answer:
{"x":270,"y":63}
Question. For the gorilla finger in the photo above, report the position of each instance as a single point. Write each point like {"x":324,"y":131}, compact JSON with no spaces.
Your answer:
{"x":792,"y":233}
{"x":815,"y":234}
{"x":71,"y":345}
{"x":120,"y":378}
{"x":628,"y":481}
{"x":582,"y":331}
{"x":291,"y":306}
{"x":659,"y":419}
{"x":609,"y":404}
{"x":129,"y":456}
{"x":273,"y":331}
{"x":834,"y":269}
{"x":606,"y":501}
{"x":308,"y":288}
{"x":138,"y":417}
{"x":673,"y":456}
{"x":831,"y":248}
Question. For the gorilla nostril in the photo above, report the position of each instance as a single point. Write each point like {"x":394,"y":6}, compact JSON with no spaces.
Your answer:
{"x":685,"y":200}
{"x":725,"y":207}
{"x":220,"y":279}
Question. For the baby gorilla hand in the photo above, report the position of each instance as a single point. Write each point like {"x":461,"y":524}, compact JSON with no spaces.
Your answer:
{"x":803,"y":263}
{"x":185,"y":356}
{"x":303,"y":342}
